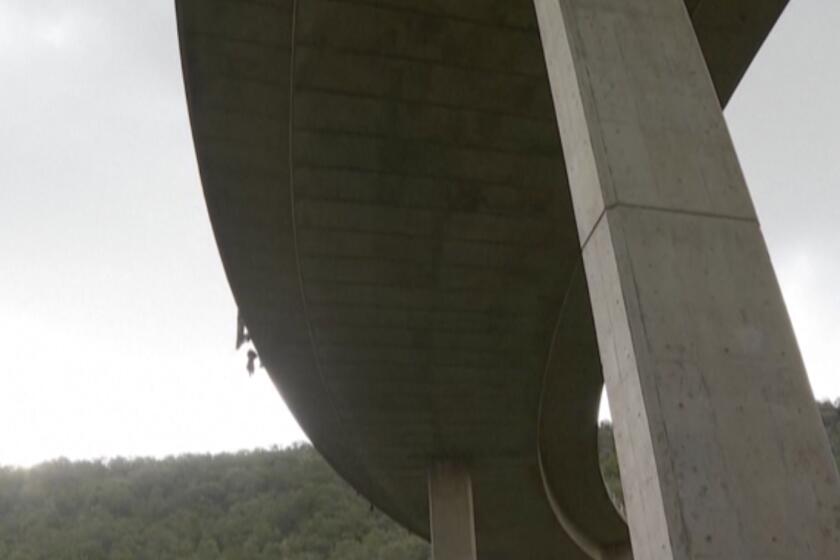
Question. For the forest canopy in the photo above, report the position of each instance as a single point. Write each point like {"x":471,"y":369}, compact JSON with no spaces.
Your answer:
{"x":265,"y":504}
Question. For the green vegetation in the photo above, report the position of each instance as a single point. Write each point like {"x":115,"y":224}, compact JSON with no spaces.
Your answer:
{"x":278,"y":504}
{"x":609,"y":464}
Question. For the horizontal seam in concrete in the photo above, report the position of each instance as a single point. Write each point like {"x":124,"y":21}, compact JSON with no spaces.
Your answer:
{"x":436,"y":236}
{"x":431,"y":62}
{"x":278,"y":46}
{"x":490,"y":346}
{"x":433,"y":15}
{"x":441,"y":264}
{"x":447,"y":212}
{"x":483,"y":344}
{"x":420,"y":329}
{"x":531,"y":315}
{"x":476,"y":288}
{"x":254,"y":149}
{"x":377,"y":171}
{"x":234,"y":79}
{"x":440,"y":208}
{"x":275,"y":5}
{"x":550,"y":154}
{"x":532,"y":311}
{"x":259,"y":146}
{"x":548,"y":119}
{"x":403,"y":324}
{"x":237,"y":146}
{"x":484,"y":183}
{"x":498,"y":365}
{"x":330,"y":282}
{"x":496,"y":313}
{"x":272,"y":118}
{"x":694,"y":213}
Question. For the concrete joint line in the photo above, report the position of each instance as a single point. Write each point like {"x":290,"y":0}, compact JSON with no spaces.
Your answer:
{"x":307,"y":320}
{"x":432,"y":15}
{"x":694,"y":213}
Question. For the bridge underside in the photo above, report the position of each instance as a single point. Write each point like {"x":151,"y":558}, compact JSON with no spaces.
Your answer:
{"x":387,"y":188}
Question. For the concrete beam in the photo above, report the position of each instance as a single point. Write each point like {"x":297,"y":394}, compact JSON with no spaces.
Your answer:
{"x":451,"y":512}
{"x":720,"y":444}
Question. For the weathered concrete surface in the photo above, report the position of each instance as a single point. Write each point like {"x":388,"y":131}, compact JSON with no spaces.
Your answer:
{"x":386,"y":203}
{"x":387,"y":188}
{"x":451,"y":516}
{"x":721,"y":447}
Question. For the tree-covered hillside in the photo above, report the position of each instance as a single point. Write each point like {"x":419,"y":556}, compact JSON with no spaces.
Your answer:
{"x":279,"y":504}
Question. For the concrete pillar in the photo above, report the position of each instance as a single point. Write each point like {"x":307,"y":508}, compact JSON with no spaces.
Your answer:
{"x":721,"y":448}
{"x":451,"y":512}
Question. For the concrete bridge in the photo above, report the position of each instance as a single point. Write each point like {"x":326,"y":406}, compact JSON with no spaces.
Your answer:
{"x":448,"y":222}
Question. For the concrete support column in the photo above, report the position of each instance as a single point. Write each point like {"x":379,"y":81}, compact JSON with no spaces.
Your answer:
{"x":451,"y":512}
{"x":721,"y":447}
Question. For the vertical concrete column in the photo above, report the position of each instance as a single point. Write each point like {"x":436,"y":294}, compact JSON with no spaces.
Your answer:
{"x":721,"y":447}
{"x":451,"y":512}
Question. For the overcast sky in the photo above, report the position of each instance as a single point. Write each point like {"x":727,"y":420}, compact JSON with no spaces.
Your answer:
{"x":116,"y":322}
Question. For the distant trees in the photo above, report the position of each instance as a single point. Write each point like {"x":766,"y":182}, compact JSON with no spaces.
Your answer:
{"x":609,"y":464}
{"x":279,"y":504}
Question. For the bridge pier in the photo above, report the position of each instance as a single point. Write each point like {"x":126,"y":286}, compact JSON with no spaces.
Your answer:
{"x":451,"y":512}
{"x":721,"y":448}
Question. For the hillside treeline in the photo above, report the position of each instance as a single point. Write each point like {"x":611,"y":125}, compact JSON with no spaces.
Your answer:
{"x":276,"y":504}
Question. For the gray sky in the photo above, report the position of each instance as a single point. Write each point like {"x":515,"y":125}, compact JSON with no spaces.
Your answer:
{"x":116,"y":320}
